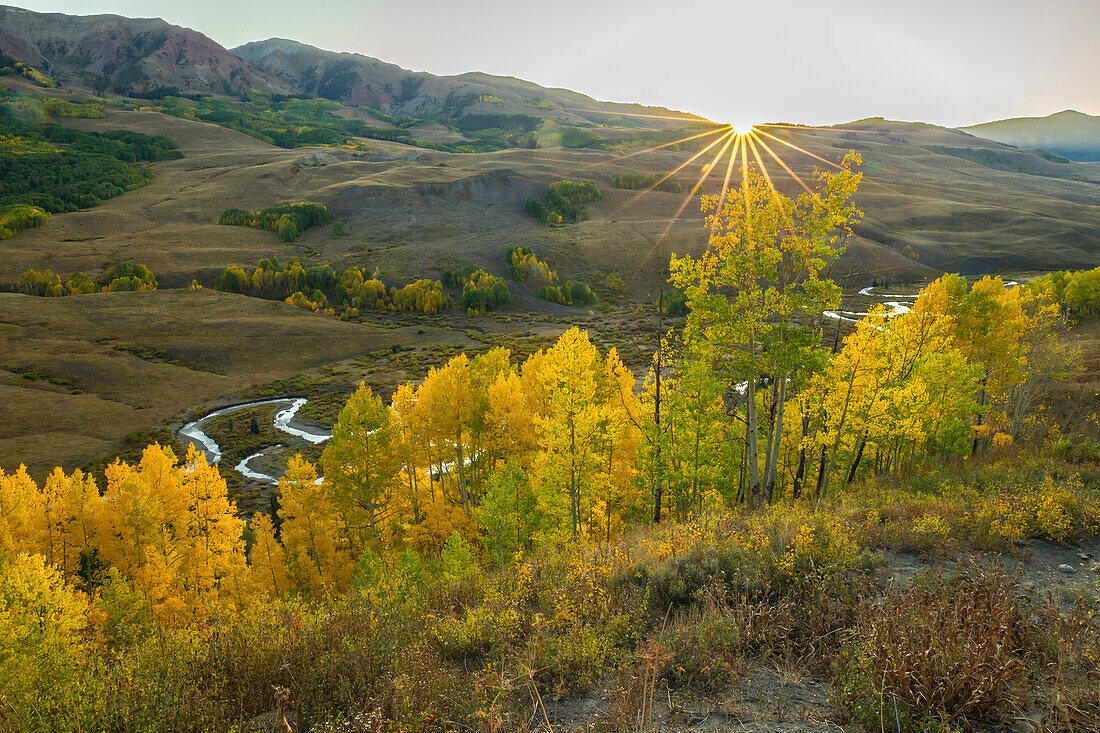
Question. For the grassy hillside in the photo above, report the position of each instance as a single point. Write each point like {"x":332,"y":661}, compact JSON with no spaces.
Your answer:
{"x":79,"y":373}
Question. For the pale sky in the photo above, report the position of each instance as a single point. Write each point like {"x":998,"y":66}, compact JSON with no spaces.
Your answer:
{"x":949,"y":62}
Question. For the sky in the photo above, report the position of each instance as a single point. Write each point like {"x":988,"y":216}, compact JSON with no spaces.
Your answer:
{"x":948,"y":62}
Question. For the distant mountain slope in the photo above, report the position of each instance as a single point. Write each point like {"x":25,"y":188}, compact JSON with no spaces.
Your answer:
{"x":133,"y":56}
{"x":1070,"y":133}
{"x":473,"y":100}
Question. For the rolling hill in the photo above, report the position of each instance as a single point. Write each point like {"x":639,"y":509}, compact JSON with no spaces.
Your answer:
{"x":935,"y":199}
{"x":1071,"y":134}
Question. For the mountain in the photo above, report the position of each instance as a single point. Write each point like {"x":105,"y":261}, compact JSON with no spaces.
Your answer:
{"x":140,"y":57}
{"x":1071,"y":134}
{"x":473,"y":100}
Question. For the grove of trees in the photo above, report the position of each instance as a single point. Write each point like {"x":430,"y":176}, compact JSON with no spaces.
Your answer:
{"x":564,"y":201}
{"x":317,"y":287}
{"x":91,"y":167}
{"x":637,"y":181}
{"x":125,"y":276}
{"x":288,"y":220}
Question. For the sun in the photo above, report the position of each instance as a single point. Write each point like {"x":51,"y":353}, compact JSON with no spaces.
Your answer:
{"x":741,"y":126}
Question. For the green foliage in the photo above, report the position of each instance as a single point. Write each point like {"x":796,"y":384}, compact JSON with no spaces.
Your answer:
{"x":128,"y":276}
{"x":1077,"y":292}
{"x":64,"y":108}
{"x":535,"y":208}
{"x":637,"y":181}
{"x":673,"y":303}
{"x":289,"y":220}
{"x":1086,"y":451}
{"x":17,"y":217}
{"x":564,"y":202}
{"x":60,"y":169}
{"x":572,"y":292}
{"x":507,"y":513}
{"x":316,"y":286}
{"x":129,"y":147}
{"x":481,"y":291}
{"x":573,"y":137}
{"x":456,"y":558}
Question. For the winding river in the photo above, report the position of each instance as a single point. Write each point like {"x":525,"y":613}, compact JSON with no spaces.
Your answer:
{"x":284,"y":421}
{"x":903,"y":304}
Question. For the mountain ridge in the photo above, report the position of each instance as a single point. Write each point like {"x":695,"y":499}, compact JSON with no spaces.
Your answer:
{"x":342,"y":76}
{"x":134,"y":56}
{"x":1069,"y":133}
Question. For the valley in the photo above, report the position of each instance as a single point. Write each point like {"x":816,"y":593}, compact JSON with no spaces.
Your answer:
{"x":346,"y":398}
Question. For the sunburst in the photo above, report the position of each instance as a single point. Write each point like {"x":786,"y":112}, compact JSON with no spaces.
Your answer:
{"x":738,"y":145}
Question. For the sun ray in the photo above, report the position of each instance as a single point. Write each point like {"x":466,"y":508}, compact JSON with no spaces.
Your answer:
{"x":657,"y":147}
{"x":785,"y":167}
{"x":698,"y":187}
{"x":745,"y":190}
{"x":764,"y":170}
{"x":828,"y":162}
{"x":673,"y":172}
{"x":729,"y":173}
{"x":801,"y":150}
{"x":709,"y":167}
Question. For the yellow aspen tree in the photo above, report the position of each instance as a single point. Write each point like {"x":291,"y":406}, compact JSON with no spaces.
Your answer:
{"x":42,"y":623}
{"x":617,"y":444}
{"x":409,"y":448}
{"x":452,"y":398}
{"x":213,"y":560}
{"x":316,"y":554}
{"x":989,"y":324}
{"x":566,"y":462}
{"x":751,"y":291}
{"x":72,"y":509}
{"x":22,"y":513}
{"x":267,"y":559}
{"x":485,"y":370}
{"x":511,"y":419}
{"x":362,"y":464}
{"x":145,"y":512}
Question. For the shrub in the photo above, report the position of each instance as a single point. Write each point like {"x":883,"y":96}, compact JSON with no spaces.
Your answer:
{"x":571,"y":293}
{"x":420,"y":296}
{"x":943,"y":648}
{"x":673,"y":303}
{"x":128,"y":276}
{"x":481,"y":291}
{"x":703,"y":651}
